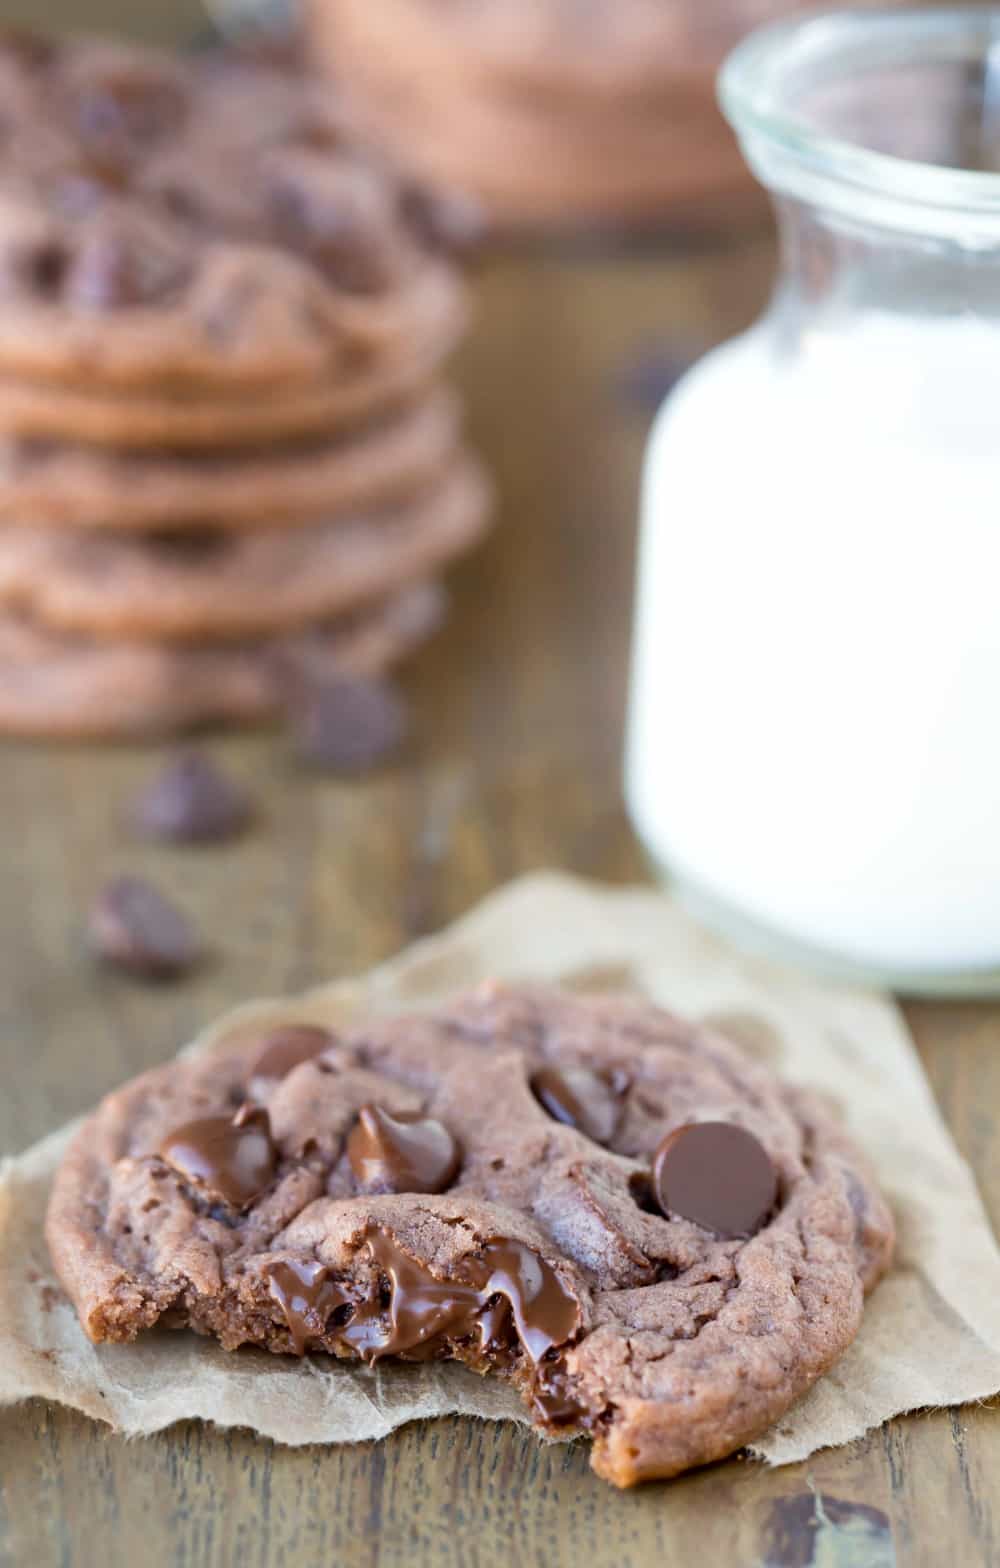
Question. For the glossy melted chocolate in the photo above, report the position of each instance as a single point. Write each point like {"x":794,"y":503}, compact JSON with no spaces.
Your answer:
{"x":286,"y":1048}
{"x":401,"y":1154}
{"x":307,"y":1298}
{"x":580,"y":1098}
{"x":228,"y":1157}
{"x":509,"y":1296}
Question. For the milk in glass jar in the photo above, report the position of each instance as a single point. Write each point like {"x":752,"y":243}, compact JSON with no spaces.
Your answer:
{"x":814,"y":734}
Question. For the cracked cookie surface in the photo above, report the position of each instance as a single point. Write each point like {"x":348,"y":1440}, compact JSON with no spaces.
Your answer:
{"x":482,"y":1182}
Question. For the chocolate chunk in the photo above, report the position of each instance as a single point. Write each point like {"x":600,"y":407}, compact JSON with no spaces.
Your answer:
{"x":228,"y":1157}
{"x":287,"y":1048}
{"x":192,"y":802}
{"x":717,"y":1175}
{"x":307,"y":1298}
{"x":580,"y":1098}
{"x":396,"y":1154}
{"x":424,"y":1311}
{"x":134,"y":927}
{"x":348,"y":725}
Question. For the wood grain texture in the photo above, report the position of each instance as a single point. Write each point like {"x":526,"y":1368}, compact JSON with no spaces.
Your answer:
{"x":520,"y":706}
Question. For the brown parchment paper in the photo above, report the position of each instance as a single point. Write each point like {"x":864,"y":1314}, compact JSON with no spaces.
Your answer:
{"x":931,"y":1334}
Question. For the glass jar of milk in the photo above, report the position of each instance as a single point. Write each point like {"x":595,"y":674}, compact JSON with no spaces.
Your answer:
{"x":814,"y":736}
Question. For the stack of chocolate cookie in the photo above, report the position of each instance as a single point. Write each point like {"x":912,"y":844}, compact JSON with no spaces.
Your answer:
{"x":227,"y":462}
{"x":550,"y":111}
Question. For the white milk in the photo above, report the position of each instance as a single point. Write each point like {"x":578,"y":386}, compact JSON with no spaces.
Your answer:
{"x":815,"y":719}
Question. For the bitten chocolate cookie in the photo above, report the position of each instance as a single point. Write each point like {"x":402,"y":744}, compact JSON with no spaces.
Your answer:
{"x":655,"y":1241}
{"x":56,"y":686}
{"x":198,"y":223}
{"x":207,"y":587}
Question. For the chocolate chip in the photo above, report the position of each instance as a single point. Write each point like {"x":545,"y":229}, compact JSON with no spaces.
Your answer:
{"x":110,"y":272}
{"x":228,"y":1157}
{"x":580,"y":1098}
{"x":401,"y":1154}
{"x":308,"y":1298}
{"x":347,"y":725}
{"x":444,"y":221}
{"x":284,"y":1049}
{"x":422,"y":1310}
{"x":717,"y":1175}
{"x":135,"y":928}
{"x":329,"y":222}
{"x":192,"y":802}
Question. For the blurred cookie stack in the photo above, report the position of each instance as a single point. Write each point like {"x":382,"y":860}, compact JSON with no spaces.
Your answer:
{"x":551,"y":112}
{"x":228,"y":463}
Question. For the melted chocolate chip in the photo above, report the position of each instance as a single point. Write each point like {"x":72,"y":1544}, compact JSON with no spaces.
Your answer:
{"x":307,"y":1298}
{"x":396,"y":1154}
{"x":545,"y":1314}
{"x":423,"y":1311}
{"x":286,"y":1048}
{"x":717,"y":1175}
{"x":347,"y":725}
{"x":227,"y":1157}
{"x":581,"y":1098}
{"x":192,"y":802}
{"x":135,"y":928}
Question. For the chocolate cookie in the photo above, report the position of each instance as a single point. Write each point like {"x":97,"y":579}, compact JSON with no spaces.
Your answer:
{"x":35,"y":410}
{"x":393,"y":458}
{"x":659,"y":1244}
{"x":198,"y":222}
{"x":207,"y":586}
{"x":64,"y":686}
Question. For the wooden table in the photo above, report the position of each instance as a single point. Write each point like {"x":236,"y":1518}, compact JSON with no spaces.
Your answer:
{"x":520,"y":706}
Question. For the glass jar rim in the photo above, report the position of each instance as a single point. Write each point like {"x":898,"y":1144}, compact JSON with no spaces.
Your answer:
{"x":790,"y":154}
